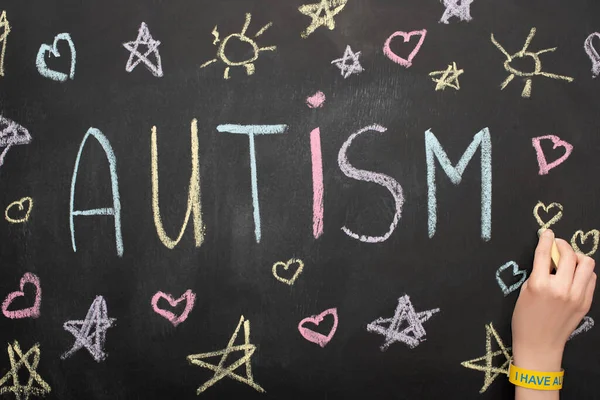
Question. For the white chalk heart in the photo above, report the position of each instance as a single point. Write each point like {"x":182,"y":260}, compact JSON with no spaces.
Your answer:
{"x":40,"y":60}
{"x":515,"y":272}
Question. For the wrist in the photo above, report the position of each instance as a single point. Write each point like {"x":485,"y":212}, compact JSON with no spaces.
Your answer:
{"x":538,"y":360}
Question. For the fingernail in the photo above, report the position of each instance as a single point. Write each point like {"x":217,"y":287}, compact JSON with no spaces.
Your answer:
{"x":547,"y":233}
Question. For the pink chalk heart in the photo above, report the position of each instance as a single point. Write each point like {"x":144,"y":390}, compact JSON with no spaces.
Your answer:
{"x":317,"y":337}
{"x":31,"y":312}
{"x":316,"y":100}
{"x":406,"y":35}
{"x":188,"y":296}
{"x":544,"y":166}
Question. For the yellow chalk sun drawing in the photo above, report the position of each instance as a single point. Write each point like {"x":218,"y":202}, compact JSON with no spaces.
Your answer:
{"x":242,"y":37}
{"x":537,"y":64}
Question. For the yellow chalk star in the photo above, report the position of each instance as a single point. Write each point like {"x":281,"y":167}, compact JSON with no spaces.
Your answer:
{"x":491,"y":372}
{"x":536,"y":60}
{"x":449,"y":77}
{"x":219,"y":370}
{"x":22,"y":392}
{"x":322,"y":14}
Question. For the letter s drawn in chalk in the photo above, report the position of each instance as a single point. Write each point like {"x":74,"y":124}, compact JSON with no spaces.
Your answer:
{"x":188,"y":296}
{"x":316,"y":337}
{"x":18,"y":217}
{"x":368,"y":176}
{"x":405,"y":62}
{"x":31,"y":312}
{"x":40,"y":60}
{"x":541,"y":158}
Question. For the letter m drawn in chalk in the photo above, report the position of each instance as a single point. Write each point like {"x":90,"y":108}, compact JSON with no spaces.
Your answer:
{"x":434,"y":149}
{"x":115,"y":210}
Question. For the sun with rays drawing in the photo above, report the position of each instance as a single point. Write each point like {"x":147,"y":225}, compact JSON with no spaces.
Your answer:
{"x":537,"y":64}
{"x":248,"y":63}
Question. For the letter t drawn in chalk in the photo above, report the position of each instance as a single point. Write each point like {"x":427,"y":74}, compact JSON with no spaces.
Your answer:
{"x":194,"y":205}
{"x":115,"y":210}
{"x":251,"y":131}
{"x":434,"y":149}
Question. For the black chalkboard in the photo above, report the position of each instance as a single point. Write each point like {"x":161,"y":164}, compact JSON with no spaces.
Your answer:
{"x":251,"y":120}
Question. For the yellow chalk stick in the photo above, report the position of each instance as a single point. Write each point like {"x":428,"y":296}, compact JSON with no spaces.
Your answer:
{"x":554,"y":254}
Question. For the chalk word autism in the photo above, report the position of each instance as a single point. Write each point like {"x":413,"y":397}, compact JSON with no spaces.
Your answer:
{"x":537,"y":70}
{"x":286,"y":267}
{"x":515,"y":273}
{"x":316,"y":337}
{"x":486,"y":363}
{"x":581,"y":237}
{"x":40,"y":60}
{"x":17,"y":212}
{"x":144,"y":39}
{"x":592,"y":53}
{"x":35,"y":385}
{"x":4,"y":31}
{"x":194,"y":205}
{"x":11,"y":134}
{"x":405,"y":62}
{"x":188,"y":296}
{"x":31,"y":312}
{"x":90,"y":333}
{"x":373,"y":177}
{"x":316,"y":100}
{"x":251,"y":131}
{"x":220,"y":370}
{"x":349,"y":63}
{"x":460,"y":9}
{"x":247,"y":63}
{"x":557,"y":216}
{"x":586,"y":324}
{"x":321,"y":14}
{"x":115,"y":210}
{"x":434,"y":149}
{"x":405,"y":326}
{"x":541,"y":158}
{"x":448,"y":78}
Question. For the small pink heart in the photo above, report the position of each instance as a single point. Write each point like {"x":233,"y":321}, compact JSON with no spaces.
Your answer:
{"x":544,"y":166}
{"x":317,"y":337}
{"x":31,"y":312}
{"x":316,"y":100}
{"x":406,"y":35}
{"x":188,"y":296}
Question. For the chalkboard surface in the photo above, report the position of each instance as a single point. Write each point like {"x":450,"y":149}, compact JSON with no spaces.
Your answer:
{"x":287,"y":200}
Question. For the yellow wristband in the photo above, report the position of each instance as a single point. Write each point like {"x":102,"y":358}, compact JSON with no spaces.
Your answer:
{"x":535,"y":379}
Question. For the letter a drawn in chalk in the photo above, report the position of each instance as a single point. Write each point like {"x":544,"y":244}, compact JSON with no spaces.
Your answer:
{"x":405,"y":326}
{"x":144,"y":39}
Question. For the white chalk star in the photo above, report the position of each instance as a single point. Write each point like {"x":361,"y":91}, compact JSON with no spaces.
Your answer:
{"x":460,"y":9}
{"x":91,"y":332}
{"x":144,"y":39}
{"x":411,"y":335}
{"x":346,"y":68}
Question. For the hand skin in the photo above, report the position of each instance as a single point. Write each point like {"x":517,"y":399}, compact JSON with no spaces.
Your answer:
{"x":549,"y":309}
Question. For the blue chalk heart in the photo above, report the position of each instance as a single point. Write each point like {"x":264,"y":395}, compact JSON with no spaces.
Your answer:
{"x":40,"y":60}
{"x":515,"y":272}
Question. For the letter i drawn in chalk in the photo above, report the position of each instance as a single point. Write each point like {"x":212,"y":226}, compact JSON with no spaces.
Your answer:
{"x":4,"y":31}
{"x":316,"y":101}
{"x":144,"y":38}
